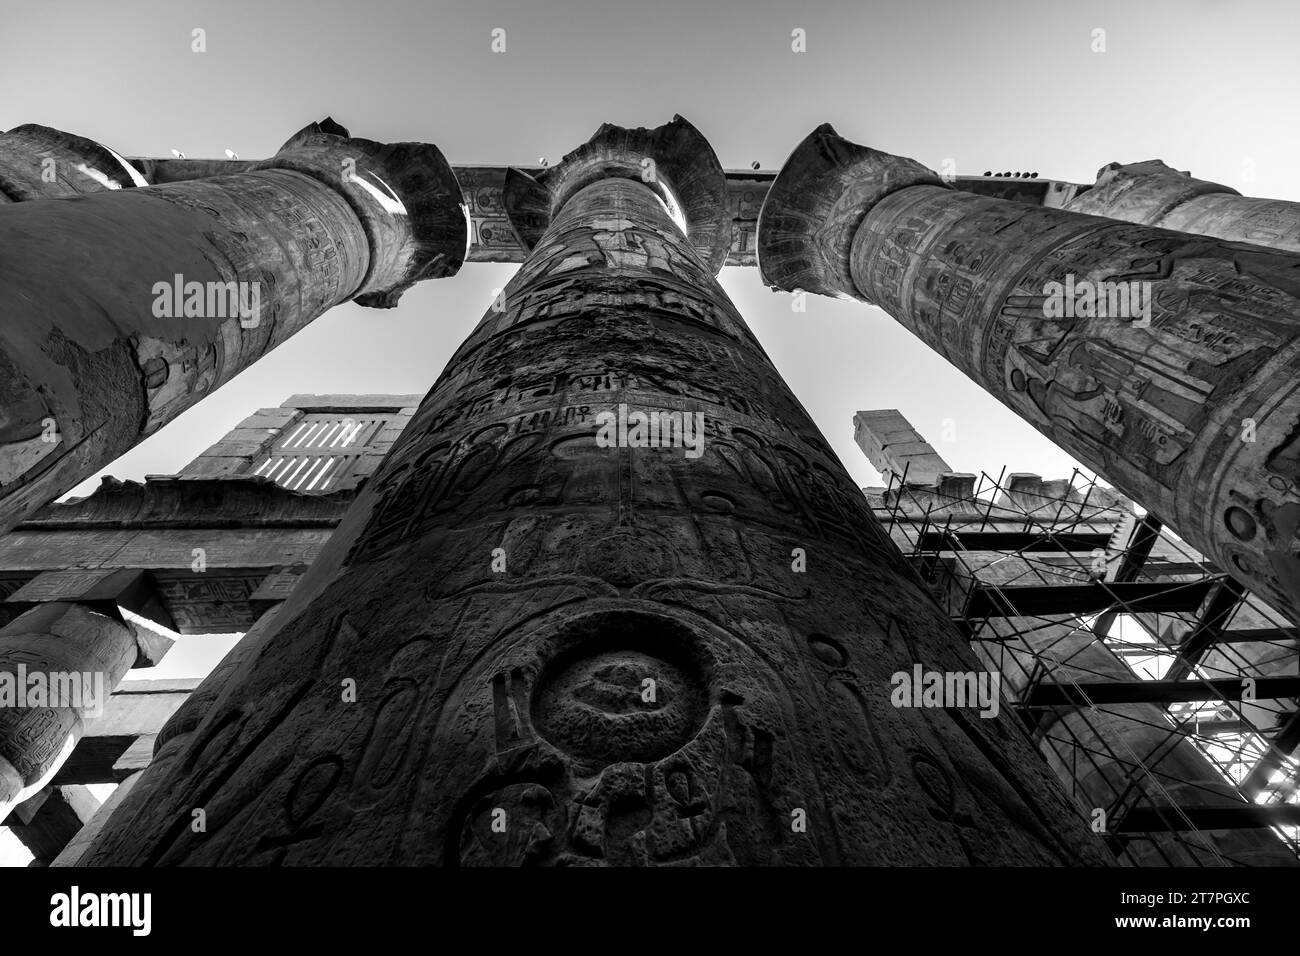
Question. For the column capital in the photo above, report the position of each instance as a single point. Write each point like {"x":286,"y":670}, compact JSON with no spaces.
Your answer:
{"x":674,"y":160}
{"x":815,"y":205}
{"x":405,"y":194}
{"x":1150,"y":189}
{"x":80,"y":165}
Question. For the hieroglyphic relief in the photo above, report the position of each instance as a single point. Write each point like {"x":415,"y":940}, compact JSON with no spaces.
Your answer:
{"x":210,"y":600}
{"x":1194,"y":401}
{"x":646,"y":679}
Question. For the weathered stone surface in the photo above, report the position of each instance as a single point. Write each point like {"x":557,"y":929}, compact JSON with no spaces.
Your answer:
{"x":1153,"y":194}
{"x":1192,"y":410}
{"x":93,"y":352}
{"x":37,"y":162}
{"x":515,"y":693}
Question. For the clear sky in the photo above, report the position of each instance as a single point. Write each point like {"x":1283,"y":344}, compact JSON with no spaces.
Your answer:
{"x":1209,"y":86}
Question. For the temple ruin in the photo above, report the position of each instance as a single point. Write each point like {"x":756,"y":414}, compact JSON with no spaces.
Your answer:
{"x":480,"y":630}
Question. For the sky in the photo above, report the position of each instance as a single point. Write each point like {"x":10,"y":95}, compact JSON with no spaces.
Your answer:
{"x":1206,"y":85}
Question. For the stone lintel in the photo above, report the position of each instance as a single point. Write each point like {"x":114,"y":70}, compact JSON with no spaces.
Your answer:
{"x":324,"y":404}
{"x":192,"y":502}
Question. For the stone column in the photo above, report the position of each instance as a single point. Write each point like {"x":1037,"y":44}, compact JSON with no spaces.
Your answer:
{"x":173,"y":740}
{"x":37,"y":162}
{"x":59,"y":644}
{"x":1152,"y":194}
{"x":539,"y":637}
{"x":122,"y":309}
{"x":1184,"y":394}
{"x":78,"y":634}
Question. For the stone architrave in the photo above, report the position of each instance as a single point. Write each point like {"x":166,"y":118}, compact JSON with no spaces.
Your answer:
{"x":121,"y":309}
{"x":610,"y":600}
{"x":1153,"y":194}
{"x":1168,"y":363}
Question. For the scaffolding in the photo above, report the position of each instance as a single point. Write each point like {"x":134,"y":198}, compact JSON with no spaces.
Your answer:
{"x":1042,"y":577}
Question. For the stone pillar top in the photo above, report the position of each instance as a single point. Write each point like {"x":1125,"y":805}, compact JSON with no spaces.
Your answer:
{"x":673,"y":160}
{"x":23,"y":148}
{"x":1151,"y":186}
{"x":405,"y":194}
{"x":815,"y":205}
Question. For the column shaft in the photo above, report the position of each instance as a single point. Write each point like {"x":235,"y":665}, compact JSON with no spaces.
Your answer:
{"x":569,"y":649}
{"x":71,"y":652}
{"x":37,"y":162}
{"x":1152,"y":194}
{"x":122,"y":309}
{"x":1169,"y":363}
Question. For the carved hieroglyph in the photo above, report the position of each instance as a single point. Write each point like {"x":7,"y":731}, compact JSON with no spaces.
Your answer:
{"x":570,"y":654}
{"x":123,"y":308}
{"x":1192,"y":409}
{"x":1152,"y":194}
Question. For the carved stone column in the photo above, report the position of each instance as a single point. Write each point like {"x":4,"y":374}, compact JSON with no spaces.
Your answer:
{"x":1152,"y":194}
{"x":55,"y":641}
{"x":122,"y":309}
{"x":77,"y":635}
{"x":37,"y":162}
{"x":1191,"y":409}
{"x":618,"y":650}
